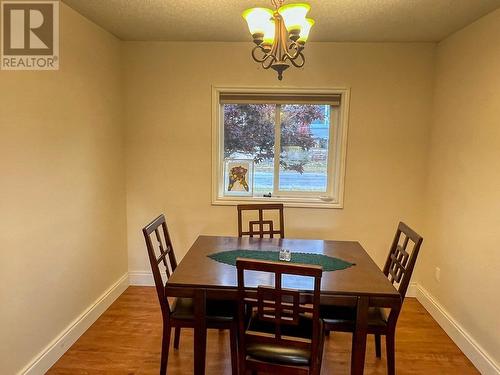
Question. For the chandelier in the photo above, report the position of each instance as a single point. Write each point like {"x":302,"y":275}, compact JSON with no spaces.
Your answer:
{"x":280,"y":35}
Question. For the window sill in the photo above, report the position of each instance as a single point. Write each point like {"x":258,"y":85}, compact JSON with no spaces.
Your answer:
{"x":287,"y":202}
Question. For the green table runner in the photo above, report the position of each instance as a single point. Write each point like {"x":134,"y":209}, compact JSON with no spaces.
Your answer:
{"x":328,"y":263}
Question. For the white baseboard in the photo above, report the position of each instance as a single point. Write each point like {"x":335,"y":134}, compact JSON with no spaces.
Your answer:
{"x":478,"y":356}
{"x":141,"y":278}
{"x":412,"y":290}
{"x":47,"y":357}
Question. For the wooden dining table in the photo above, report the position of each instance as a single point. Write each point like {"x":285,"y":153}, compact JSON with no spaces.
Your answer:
{"x":362,"y":285}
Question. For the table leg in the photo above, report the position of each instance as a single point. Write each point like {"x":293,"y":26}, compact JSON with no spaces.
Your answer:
{"x":200,"y":332}
{"x":359,"y":337}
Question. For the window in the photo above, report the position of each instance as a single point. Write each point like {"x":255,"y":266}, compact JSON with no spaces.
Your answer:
{"x":273,"y":145}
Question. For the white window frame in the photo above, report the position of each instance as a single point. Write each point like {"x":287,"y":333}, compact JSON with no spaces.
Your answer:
{"x":334,"y":198}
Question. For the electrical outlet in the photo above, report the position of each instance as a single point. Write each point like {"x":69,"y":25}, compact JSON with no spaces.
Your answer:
{"x":437,"y":274}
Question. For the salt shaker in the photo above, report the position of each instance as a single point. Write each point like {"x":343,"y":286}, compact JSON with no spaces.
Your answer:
{"x":285,"y":255}
{"x":282,"y":255}
{"x":288,"y":255}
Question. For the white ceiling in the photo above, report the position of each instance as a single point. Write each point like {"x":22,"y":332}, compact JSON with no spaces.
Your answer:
{"x":336,"y":20}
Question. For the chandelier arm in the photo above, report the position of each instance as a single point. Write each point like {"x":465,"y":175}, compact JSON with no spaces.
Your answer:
{"x":260,"y":59}
{"x":302,"y":60}
{"x":294,"y":50}
{"x":270,"y":60}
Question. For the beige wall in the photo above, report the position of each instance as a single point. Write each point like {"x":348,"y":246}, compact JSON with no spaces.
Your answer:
{"x":463,"y":187}
{"x":62,"y":191}
{"x":168,"y":110}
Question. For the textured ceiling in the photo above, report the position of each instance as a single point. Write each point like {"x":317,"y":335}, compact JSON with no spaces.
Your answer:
{"x":336,"y":20}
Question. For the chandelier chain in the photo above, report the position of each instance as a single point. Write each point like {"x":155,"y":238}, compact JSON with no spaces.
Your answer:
{"x":277,"y":3}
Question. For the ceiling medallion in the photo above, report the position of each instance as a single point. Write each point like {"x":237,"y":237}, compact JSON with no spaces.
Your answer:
{"x":280,"y":35}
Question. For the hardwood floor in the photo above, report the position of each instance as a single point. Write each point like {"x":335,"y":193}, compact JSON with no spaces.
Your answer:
{"x":126,"y":340}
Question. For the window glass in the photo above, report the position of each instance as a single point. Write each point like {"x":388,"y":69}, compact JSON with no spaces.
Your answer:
{"x":249,"y":134}
{"x":305,"y":134}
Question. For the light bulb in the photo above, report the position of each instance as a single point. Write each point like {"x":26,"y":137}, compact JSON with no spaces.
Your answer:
{"x":294,"y":15}
{"x":269,"y":33}
{"x":258,"y":19}
{"x":305,"y":30}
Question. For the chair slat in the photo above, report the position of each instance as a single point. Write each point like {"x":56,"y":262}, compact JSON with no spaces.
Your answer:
{"x":402,"y":257}
{"x":166,"y":257}
{"x":261,"y":227}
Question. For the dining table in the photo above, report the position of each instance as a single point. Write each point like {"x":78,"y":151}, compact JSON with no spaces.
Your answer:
{"x":362,"y":285}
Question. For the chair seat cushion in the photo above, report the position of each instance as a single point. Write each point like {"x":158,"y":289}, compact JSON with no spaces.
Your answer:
{"x":278,"y":354}
{"x":217,"y":311}
{"x":346,"y":316}
{"x":281,"y":354}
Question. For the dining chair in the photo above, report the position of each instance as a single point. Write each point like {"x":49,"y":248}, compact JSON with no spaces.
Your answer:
{"x":180,"y":314}
{"x":398,"y":269}
{"x":284,"y":334}
{"x":258,"y":227}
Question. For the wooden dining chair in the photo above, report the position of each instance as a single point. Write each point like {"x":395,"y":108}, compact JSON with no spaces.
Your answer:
{"x":261,"y":227}
{"x":398,"y":268}
{"x":284,"y":334}
{"x":180,"y":314}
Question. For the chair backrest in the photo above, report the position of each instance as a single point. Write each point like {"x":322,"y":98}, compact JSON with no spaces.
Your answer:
{"x":402,"y":257}
{"x":258,"y":227}
{"x":163,"y":255}
{"x":279,"y":306}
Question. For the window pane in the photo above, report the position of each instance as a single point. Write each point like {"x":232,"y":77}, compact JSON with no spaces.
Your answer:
{"x":305,"y":133}
{"x":249,"y":134}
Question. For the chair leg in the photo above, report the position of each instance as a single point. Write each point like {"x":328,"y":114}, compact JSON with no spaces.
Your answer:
{"x":177,"y":337}
{"x":164,"y":348}
{"x":233,"y":339}
{"x":390,"y":347}
{"x":321,"y":352}
{"x":327,"y":332}
{"x":242,"y":361}
{"x":378,"y":346}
